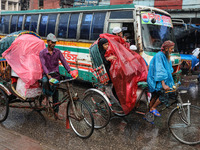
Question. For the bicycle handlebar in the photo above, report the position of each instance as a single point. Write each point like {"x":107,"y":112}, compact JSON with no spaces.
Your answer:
{"x":66,"y":80}
{"x":171,"y":90}
{"x":62,"y":81}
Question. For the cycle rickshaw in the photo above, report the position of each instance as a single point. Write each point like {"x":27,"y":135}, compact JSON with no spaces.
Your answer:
{"x":183,"y":121}
{"x":78,"y":114}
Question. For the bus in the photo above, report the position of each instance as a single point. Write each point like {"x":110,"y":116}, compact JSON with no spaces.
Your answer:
{"x":77,"y":28}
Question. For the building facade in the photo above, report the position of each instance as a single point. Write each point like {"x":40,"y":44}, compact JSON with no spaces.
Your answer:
{"x":49,"y":4}
{"x":44,"y":4}
{"x":6,"y":5}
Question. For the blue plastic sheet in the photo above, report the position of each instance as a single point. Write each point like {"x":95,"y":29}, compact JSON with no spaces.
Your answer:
{"x":160,"y":69}
{"x":194,"y":59}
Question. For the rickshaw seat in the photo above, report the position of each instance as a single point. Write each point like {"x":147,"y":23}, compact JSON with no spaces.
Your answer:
{"x":142,"y":85}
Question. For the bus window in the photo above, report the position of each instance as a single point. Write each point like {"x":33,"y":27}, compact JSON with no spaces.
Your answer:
{"x":5,"y":24}
{"x":121,"y":15}
{"x":127,"y":29}
{"x":13,"y":24}
{"x":43,"y":24}
{"x":112,"y":25}
{"x":63,"y":25}
{"x":51,"y":23}
{"x":27,"y":23}
{"x":1,"y":24}
{"x":85,"y":26}
{"x":19,"y":23}
{"x":97,"y":25}
{"x":73,"y":26}
{"x":33,"y":24}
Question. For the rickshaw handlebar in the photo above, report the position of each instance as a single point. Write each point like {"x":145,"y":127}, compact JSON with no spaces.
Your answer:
{"x":66,"y":80}
{"x":62,"y":81}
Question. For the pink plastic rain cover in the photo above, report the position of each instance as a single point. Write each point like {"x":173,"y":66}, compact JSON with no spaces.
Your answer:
{"x":23,"y":57}
{"x":126,"y":71}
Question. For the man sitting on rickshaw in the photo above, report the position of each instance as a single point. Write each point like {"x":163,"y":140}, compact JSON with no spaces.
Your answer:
{"x":49,"y":58}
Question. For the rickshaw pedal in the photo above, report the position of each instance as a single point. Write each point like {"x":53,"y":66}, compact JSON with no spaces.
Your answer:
{"x":147,"y":120}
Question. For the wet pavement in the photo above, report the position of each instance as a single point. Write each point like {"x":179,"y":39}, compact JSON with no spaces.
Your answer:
{"x":129,"y":132}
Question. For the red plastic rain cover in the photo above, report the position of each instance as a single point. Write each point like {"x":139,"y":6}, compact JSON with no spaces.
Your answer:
{"x":126,"y":71}
{"x":23,"y":57}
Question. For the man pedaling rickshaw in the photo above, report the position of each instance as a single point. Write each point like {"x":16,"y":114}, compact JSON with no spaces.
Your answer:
{"x":159,"y":77}
{"x":125,"y":68}
{"x":49,"y":58}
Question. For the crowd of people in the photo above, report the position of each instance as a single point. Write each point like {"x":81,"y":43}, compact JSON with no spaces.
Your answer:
{"x":159,"y":76}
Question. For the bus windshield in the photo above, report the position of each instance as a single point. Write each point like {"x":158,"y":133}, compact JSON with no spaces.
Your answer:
{"x":154,"y":34}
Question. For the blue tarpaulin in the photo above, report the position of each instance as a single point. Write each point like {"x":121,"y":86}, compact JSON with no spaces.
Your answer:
{"x":193,"y":59}
{"x":160,"y":69}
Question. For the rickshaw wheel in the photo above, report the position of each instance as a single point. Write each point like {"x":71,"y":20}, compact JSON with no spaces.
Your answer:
{"x":99,"y":108}
{"x":4,"y":106}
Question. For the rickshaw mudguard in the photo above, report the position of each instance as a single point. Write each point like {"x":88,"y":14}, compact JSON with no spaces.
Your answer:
{"x":5,"y":89}
{"x":99,"y":92}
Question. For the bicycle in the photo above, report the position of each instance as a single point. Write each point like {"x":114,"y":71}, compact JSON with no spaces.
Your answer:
{"x":78,"y":114}
{"x":184,"y":122}
{"x":103,"y":103}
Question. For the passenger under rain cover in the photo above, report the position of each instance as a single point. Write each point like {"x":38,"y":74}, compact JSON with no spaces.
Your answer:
{"x":126,"y":71}
{"x":23,"y":57}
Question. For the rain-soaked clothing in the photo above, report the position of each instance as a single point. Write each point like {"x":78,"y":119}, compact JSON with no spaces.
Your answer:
{"x":160,"y":69}
{"x":125,"y":72}
{"x":50,"y":63}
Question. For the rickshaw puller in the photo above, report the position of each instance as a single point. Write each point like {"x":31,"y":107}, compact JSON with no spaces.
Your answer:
{"x":49,"y":58}
{"x":160,"y":76}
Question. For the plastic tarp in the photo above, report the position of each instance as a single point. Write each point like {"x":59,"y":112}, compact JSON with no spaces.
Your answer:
{"x":193,"y":59}
{"x":126,"y":71}
{"x":6,"y":42}
{"x":23,"y":57}
{"x":160,"y":69}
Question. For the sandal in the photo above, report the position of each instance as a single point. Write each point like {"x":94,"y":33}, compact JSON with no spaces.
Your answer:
{"x":155,"y":112}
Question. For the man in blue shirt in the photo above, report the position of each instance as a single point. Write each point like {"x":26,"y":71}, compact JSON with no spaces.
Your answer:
{"x":159,"y":77}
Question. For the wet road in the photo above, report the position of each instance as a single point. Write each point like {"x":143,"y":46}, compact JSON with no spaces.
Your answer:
{"x":130,"y":132}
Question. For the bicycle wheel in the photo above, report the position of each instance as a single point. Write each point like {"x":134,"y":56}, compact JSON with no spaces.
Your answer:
{"x":183,"y":128}
{"x":4,"y":106}
{"x":81,"y":120}
{"x":99,"y":108}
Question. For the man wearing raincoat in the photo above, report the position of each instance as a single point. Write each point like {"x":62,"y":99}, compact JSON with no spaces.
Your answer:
{"x":159,"y":77}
